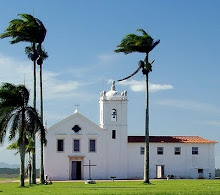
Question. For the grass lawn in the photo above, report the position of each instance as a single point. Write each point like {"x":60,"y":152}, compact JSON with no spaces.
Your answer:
{"x":117,"y":187}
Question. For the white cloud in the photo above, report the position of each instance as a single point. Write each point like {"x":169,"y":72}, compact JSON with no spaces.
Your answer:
{"x":13,"y":70}
{"x":189,"y":105}
{"x":212,"y":123}
{"x":107,"y":58}
{"x":16,"y":71}
{"x":140,"y":86}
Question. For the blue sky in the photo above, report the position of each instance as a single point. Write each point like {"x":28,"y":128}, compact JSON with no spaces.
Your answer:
{"x":81,"y":38}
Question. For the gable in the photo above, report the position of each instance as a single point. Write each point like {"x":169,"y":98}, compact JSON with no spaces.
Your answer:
{"x":75,"y":124}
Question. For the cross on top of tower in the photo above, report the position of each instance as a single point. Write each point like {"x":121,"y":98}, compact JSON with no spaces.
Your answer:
{"x":113,"y":86}
{"x":76,"y":110}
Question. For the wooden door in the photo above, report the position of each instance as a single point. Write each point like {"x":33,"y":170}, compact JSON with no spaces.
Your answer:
{"x":76,"y":170}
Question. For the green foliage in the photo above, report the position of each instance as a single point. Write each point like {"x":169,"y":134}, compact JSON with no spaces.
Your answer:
{"x":41,"y":53}
{"x":26,"y":29}
{"x":135,"y":43}
{"x":18,"y":118}
{"x":118,"y":187}
{"x":5,"y":172}
{"x":9,"y":171}
{"x":13,"y":104}
{"x":217,"y":173}
{"x":29,"y":145}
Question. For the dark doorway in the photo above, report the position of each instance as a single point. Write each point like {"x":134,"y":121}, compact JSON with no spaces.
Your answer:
{"x":76,"y":170}
{"x":200,"y":172}
{"x":160,"y":171}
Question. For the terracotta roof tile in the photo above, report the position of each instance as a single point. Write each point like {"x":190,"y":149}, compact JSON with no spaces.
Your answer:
{"x":171,"y":139}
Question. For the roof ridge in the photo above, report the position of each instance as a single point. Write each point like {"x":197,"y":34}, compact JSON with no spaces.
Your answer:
{"x":171,"y":139}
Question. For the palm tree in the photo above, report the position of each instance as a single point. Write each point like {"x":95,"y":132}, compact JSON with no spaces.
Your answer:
{"x":42,"y":56}
{"x":28,"y":29}
{"x":19,"y":118}
{"x":142,"y":44}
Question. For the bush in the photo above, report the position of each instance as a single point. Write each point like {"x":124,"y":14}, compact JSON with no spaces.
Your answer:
{"x":217,"y":172}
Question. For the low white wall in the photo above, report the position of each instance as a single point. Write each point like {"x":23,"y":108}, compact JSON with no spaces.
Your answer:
{"x":185,"y":165}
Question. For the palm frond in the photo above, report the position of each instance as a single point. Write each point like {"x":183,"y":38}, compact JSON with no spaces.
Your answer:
{"x":140,"y":65}
{"x":41,"y":51}
{"x":15,"y":125}
{"x":142,"y":31}
{"x":5,"y":117}
{"x":135,"y":43}
{"x":33,"y":120}
{"x":14,"y":146}
{"x":25,"y":29}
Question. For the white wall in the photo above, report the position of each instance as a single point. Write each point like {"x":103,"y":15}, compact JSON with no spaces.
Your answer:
{"x":185,"y":165}
{"x":58,"y":164}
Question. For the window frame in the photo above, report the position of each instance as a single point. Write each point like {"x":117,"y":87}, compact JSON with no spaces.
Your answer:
{"x":160,"y":152}
{"x":195,"y":150}
{"x":113,"y":134}
{"x":200,"y":171}
{"x":74,"y":145}
{"x":142,"y":150}
{"x":90,"y":145}
{"x":113,"y":115}
{"x":176,"y":152}
{"x":62,"y":145}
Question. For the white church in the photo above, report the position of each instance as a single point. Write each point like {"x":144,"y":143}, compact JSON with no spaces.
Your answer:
{"x":79,"y":149}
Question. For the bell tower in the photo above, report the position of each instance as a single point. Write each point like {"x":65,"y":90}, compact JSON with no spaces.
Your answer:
{"x":113,"y":120}
{"x":113,"y":108}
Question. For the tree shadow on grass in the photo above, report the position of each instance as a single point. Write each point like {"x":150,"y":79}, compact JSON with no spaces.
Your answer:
{"x":23,"y":187}
{"x":112,"y":187}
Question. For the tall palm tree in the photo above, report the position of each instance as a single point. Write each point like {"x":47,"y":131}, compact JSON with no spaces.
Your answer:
{"x":142,"y":44}
{"x":28,"y":29}
{"x":18,"y":117}
{"x":42,"y":56}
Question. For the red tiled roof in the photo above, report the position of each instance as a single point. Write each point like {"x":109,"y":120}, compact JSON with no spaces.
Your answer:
{"x":171,"y":139}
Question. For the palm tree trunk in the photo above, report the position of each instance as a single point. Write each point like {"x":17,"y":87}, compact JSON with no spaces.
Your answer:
{"x":34,"y":144}
{"x":22,"y":165}
{"x":41,"y":143}
{"x":146,"y":156}
{"x":22,"y":151}
{"x":29,"y":169}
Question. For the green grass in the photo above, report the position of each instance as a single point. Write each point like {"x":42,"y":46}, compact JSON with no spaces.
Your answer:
{"x":117,"y":187}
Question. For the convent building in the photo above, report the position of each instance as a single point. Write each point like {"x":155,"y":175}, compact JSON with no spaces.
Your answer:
{"x":78,"y":149}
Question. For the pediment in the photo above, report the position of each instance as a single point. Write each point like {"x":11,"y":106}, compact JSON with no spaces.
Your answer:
{"x":75,"y":124}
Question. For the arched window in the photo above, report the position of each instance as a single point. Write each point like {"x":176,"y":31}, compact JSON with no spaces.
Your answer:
{"x":114,"y":115}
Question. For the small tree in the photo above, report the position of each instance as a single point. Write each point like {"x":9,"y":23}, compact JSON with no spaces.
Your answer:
{"x":18,"y":118}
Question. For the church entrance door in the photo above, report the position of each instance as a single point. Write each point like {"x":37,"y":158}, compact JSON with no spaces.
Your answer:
{"x":76,"y":170}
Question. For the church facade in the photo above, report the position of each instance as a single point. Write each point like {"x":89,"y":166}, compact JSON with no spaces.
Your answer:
{"x":79,"y":149}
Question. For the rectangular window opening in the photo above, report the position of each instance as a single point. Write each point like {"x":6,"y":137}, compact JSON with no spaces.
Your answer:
{"x":113,"y":134}
{"x":92,"y":147}
{"x":141,"y":150}
{"x":195,"y":150}
{"x":76,"y":145}
{"x":160,"y":150}
{"x":200,"y":170}
{"x":177,"y":150}
{"x":60,"y":147}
